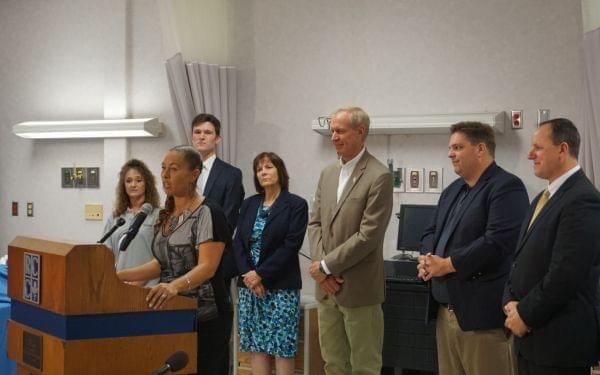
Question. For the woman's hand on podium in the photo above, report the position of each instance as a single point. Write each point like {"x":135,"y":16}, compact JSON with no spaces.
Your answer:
{"x":160,"y":294}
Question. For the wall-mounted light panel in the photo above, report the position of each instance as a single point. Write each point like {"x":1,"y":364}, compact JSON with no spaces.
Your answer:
{"x":420,"y":124}
{"x":124,"y":128}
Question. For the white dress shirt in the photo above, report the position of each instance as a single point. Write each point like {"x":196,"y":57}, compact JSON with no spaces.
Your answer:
{"x":345,"y":173}
{"x":206,"y":167}
{"x":556,"y":184}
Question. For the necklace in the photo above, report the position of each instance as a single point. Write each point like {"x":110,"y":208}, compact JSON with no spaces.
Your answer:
{"x":176,"y":219}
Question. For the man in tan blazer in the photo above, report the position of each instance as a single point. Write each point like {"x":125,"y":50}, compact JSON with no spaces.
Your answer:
{"x":351,"y":212}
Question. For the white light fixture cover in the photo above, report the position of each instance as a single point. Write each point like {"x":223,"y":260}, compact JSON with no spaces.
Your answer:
{"x":122,"y":128}
{"x":424,"y":124}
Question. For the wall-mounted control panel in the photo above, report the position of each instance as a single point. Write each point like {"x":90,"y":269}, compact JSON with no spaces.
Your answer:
{"x":80,"y":177}
{"x":93,"y":211}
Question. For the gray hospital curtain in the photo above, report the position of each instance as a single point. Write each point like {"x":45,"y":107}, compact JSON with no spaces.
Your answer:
{"x":590,"y":133}
{"x":198,"y":87}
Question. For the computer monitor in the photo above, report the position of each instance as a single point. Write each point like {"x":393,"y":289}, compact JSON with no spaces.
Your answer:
{"x":413,"y":220}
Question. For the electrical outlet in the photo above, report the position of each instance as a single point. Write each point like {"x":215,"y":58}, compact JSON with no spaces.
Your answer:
{"x":516,"y":118}
{"x":93,"y":212}
{"x":543,"y":115}
{"x":414,"y":180}
{"x":30,"y":209}
{"x":433,"y":180}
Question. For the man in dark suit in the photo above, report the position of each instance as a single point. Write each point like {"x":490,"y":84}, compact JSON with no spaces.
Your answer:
{"x":551,"y":297}
{"x":221,"y":183}
{"x":467,"y":254}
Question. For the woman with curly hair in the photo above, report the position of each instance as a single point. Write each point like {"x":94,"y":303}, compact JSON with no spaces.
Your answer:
{"x":136,"y":186}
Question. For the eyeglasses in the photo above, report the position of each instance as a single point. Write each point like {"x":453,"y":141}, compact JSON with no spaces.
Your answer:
{"x":324,"y":121}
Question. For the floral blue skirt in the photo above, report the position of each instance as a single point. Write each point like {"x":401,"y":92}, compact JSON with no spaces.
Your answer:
{"x":269,"y":325}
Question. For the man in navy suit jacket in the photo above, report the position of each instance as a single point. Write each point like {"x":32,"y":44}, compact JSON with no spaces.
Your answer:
{"x":467,"y":254}
{"x":219,"y":181}
{"x":551,"y":297}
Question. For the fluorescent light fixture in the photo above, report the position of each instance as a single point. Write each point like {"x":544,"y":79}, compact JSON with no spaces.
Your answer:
{"x":423,"y":124}
{"x":123,"y":128}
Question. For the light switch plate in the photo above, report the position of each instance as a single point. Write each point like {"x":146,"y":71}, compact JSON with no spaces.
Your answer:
{"x":93,"y":212}
{"x":30,"y":209}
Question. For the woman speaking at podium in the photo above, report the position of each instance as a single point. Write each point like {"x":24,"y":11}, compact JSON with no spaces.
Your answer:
{"x":135,"y":187}
{"x":189,"y":239}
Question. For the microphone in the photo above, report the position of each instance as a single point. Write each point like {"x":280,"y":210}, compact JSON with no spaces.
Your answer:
{"x":174,"y":363}
{"x":112,"y":230}
{"x":135,"y":226}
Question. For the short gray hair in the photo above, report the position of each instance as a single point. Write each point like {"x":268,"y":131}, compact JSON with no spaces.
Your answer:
{"x":358,"y":117}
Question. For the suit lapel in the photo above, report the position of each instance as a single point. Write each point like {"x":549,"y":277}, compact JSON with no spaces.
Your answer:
{"x":352,"y":180}
{"x":552,"y":202}
{"x":452,"y":196}
{"x":251,"y":217}
{"x":524,"y":226}
{"x":483,"y":181}
{"x":215,"y":171}
{"x":278,"y":207}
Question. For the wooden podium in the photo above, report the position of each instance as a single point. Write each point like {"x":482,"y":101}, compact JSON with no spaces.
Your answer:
{"x":70,"y":314}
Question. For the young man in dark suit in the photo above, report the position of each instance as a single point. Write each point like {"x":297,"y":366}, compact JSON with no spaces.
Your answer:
{"x":221,"y":183}
{"x":467,"y":252}
{"x":551,"y":297}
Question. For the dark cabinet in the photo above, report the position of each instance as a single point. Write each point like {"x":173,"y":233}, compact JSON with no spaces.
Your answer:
{"x":409,"y":342}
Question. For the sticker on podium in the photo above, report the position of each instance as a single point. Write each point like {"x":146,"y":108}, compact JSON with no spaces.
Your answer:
{"x":31,"y":278}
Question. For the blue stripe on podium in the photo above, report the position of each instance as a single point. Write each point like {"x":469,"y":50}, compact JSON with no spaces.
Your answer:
{"x":76,"y":327}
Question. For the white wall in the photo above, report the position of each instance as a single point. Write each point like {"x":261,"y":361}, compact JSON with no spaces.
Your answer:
{"x":297,"y":60}
{"x":54,"y":67}
{"x":300,"y":59}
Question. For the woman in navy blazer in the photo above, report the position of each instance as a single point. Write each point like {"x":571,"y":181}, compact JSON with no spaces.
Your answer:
{"x":270,"y":232}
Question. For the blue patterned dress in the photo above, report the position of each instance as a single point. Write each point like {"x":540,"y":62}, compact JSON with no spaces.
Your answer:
{"x":268,"y":325}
